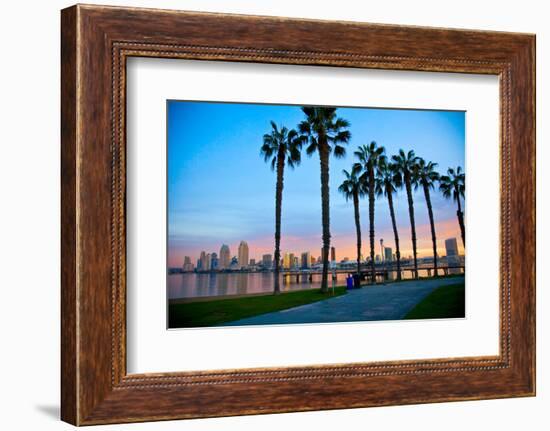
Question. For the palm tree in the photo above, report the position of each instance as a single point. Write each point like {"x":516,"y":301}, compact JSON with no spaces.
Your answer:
{"x":282,"y":146}
{"x":370,"y":158}
{"x":387,"y":182}
{"x":426,"y":176}
{"x":325,"y":133}
{"x":404,"y":167}
{"x":352,"y":188}
{"x":453,"y":185}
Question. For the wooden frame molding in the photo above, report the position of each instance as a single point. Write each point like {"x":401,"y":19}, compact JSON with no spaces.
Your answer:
{"x":95,"y":43}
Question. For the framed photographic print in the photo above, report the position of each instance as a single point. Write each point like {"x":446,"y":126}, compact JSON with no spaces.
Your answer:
{"x":258,"y":208}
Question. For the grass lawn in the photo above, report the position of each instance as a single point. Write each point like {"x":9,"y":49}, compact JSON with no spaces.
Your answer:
{"x":443,"y":302}
{"x":218,"y":311}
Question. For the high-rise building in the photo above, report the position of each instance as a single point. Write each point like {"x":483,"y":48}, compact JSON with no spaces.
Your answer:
{"x":252,"y":262}
{"x":207,"y":262}
{"x":201,"y":263}
{"x":453,"y":259}
{"x":377,"y":258}
{"x":286,"y":261}
{"x":214,"y":262}
{"x":243,"y":254}
{"x":225,"y":257}
{"x":187,"y":265}
{"x":267,"y":261}
{"x":451,"y":247}
{"x":291,"y":262}
{"x":333,"y":254}
{"x":306,"y":260}
{"x":388,"y":254}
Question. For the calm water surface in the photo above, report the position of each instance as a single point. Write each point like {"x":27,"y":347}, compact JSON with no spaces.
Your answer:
{"x":191,"y":285}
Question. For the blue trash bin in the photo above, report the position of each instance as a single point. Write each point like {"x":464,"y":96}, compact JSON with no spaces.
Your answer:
{"x":349,"y":282}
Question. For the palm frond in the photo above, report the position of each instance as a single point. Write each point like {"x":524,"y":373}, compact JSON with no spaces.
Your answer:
{"x":339,"y":151}
{"x":273,"y":163}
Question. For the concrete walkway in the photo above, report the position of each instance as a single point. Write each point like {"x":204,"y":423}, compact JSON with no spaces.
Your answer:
{"x":391,"y":301}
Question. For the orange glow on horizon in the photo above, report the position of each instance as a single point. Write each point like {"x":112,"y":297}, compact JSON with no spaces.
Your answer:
{"x":346,"y":244}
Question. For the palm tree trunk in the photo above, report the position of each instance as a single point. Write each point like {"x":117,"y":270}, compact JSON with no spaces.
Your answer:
{"x":395,"y":235}
{"x":460,"y":216}
{"x":371,"y":223}
{"x":411,"y":217}
{"x":325,"y":208}
{"x":358,"y":231}
{"x":278,"y":206}
{"x":432,"y":225}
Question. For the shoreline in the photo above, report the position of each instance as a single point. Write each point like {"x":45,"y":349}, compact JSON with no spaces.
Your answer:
{"x":188,"y":300}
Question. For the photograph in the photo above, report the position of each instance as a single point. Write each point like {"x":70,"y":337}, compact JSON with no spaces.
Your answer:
{"x":288,"y":214}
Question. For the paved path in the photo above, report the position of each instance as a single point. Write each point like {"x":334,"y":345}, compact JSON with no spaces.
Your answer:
{"x":391,"y":301}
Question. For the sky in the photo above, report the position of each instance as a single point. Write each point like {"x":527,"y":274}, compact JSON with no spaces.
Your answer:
{"x":220,"y":190}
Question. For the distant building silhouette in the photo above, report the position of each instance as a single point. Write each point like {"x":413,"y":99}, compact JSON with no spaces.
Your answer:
{"x":291,"y":260}
{"x":225,"y":257}
{"x":388,"y":254}
{"x":306,"y":260}
{"x":267,"y":261}
{"x":451,"y":247}
{"x":214,"y":262}
{"x":286,"y":261}
{"x":187,"y":265}
{"x":243,"y":254}
{"x":453,"y":259}
{"x":201,"y":263}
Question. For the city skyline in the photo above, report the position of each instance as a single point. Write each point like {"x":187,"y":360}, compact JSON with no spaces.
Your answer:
{"x":291,"y":259}
{"x":215,"y":191}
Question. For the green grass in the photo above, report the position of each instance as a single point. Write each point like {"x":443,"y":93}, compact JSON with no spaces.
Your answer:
{"x":443,"y":302}
{"x":219,"y":311}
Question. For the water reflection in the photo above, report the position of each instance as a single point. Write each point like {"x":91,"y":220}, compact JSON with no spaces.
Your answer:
{"x":191,"y":285}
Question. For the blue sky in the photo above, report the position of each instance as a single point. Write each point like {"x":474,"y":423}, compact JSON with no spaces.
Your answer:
{"x":221,"y":191}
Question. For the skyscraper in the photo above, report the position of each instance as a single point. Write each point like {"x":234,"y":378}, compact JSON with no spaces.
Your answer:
{"x":291,"y":260}
{"x":266,"y":261}
{"x":207,"y":262}
{"x":214,"y":262}
{"x":286,"y":261}
{"x":225,"y":257}
{"x":201,"y":262}
{"x":451,"y":247}
{"x":243,"y":255}
{"x":453,"y":259}
{"x":306,"y":260}
{"x":388,"y":254}
{"x":187,"y":265}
